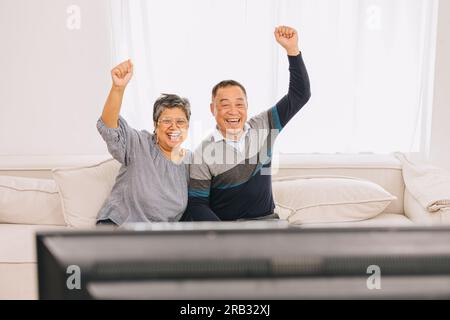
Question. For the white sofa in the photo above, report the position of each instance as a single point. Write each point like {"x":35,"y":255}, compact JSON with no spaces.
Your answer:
{"x":18,"y":274}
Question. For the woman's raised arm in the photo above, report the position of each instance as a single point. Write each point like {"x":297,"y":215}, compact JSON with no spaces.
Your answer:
{"x":121,"y":75}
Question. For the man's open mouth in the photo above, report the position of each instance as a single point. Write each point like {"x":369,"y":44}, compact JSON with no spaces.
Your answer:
{"x":233,"y":121}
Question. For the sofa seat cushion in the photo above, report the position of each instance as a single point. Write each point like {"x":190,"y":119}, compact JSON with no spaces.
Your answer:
{"x":382,"y":220}
{"x":18,"y":281}
{"x":18,"y":244}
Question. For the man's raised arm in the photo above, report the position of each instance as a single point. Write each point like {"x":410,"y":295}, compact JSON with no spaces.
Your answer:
{"x":299,"y":86}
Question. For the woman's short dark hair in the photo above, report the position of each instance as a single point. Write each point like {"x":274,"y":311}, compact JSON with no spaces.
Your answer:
{"x":170,"y":101}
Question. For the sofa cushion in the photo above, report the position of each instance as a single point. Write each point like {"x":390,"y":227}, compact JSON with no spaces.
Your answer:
{"x":384,"y":219}
{"x":18,"y":243}
{"x":323,"y":199}
{"x":384,"y":170}
{"x":29,"y":201}
{"x":83,"y":191}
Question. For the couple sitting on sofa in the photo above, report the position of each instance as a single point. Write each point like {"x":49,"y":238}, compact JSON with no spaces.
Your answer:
{"x":226,"y":178}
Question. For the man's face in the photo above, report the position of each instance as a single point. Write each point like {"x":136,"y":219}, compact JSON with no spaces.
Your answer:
{"x":229,"y":107}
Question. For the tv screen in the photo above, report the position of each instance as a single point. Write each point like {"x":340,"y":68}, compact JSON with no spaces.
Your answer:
{"x":244,"y":261}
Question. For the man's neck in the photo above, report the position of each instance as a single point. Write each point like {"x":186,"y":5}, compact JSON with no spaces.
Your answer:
{"x":232,"y":136}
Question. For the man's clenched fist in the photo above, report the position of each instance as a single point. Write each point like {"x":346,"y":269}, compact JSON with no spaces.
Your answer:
{"x":122,"y":74}
{"x":287,"y":37}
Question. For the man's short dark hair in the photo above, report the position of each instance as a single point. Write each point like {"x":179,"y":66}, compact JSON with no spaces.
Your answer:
{"x":227,"y":83}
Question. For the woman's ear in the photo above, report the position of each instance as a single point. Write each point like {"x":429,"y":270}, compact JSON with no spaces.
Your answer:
{"x":155,"y":125}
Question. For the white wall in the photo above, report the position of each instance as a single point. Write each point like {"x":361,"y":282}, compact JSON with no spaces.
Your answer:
{"x":440,"y":135}
{"x":53,"y":80}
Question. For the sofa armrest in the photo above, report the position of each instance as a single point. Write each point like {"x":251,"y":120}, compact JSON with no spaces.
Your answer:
{"x":419,"y":215}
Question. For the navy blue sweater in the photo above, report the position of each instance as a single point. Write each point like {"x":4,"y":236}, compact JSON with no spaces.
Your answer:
{"x":243,"y":190}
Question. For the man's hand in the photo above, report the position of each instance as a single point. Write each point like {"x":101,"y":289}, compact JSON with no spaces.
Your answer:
{"x":287,"y":37}
{"x":122,"y":74}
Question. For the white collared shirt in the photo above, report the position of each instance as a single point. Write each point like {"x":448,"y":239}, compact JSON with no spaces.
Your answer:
{"x":238,"y":145}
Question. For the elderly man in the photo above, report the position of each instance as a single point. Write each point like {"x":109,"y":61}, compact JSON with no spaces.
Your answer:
{"x":230,"y":176}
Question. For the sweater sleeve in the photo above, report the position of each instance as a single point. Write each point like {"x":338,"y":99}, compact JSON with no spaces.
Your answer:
{"x":198,"y":208}
{"x":298,"y":94}
{"x":120,"y":141}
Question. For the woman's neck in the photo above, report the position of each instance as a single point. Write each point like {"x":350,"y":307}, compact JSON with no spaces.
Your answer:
{"x":175,"y":154}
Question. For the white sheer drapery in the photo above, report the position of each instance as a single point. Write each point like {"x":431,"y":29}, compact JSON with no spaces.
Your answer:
{"x":370,"y":64}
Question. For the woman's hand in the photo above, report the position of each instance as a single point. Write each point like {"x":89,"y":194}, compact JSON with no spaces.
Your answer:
{"x":122,"y":74}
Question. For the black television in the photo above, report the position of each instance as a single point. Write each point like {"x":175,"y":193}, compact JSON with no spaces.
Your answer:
{"x":196,"y":261}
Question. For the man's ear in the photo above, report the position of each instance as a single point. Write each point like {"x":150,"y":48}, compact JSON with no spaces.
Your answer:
{"x":212,"y":108}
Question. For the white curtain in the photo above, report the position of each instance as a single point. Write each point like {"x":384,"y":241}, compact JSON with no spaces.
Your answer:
{"x":371,"y":64}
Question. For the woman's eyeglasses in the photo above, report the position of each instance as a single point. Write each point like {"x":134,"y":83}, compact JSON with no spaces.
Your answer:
{"x":167,"y":122}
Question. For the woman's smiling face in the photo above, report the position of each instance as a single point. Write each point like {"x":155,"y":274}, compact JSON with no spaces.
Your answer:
{"x":171,"y":128}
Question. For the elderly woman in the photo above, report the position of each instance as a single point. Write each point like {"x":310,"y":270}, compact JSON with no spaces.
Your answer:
{"x":153,"y":179}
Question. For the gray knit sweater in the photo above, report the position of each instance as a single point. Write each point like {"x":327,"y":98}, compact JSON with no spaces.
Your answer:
{"x":149,"y":187}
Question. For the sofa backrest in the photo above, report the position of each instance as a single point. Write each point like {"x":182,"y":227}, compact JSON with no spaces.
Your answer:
{"x":384,"y":170}
{"x":41,"y":166}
